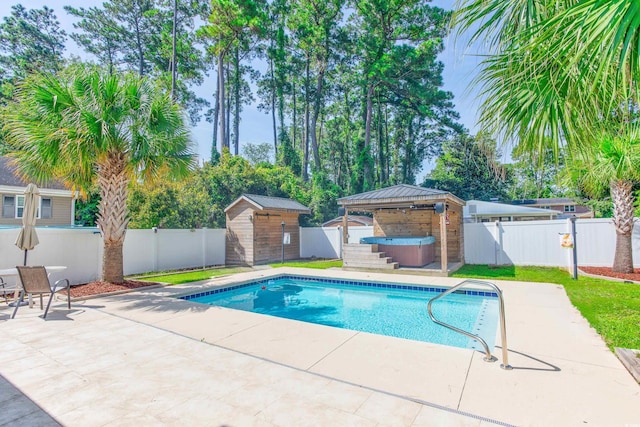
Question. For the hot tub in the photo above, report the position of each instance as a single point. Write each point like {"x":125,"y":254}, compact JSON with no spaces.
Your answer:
{"x":407,"y":251}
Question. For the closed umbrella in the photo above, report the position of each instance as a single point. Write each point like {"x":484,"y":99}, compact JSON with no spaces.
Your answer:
{"x":28,"y":239}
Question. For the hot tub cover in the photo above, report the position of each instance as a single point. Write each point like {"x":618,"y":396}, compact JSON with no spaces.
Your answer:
{"x":398,"y":241}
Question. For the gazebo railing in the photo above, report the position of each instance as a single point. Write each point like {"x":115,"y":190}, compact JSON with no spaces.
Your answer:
{"x":503,"y":328}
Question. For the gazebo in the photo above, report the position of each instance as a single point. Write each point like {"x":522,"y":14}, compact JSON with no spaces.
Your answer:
{"x":414,"y":227}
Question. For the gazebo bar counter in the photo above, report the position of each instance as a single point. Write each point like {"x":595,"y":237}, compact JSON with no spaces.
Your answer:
{"x":406,"y":211}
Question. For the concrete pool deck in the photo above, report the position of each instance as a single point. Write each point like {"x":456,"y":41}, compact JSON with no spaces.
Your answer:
{"x":147,"y":358}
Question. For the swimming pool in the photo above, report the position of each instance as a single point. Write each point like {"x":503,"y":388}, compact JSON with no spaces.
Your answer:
{"x":393,"y":309}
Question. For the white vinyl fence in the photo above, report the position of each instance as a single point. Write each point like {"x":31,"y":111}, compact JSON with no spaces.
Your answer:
{"x":518,"y":243}
{"x":538,"y":243}
{"x":80,"y":250}
{"x":146,"y":250}
{"x":505,"y":243}
{"x":326,"y":242}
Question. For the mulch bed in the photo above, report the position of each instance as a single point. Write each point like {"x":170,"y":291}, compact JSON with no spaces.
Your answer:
{"x":606,"y":271}
{"x":96,"y":288}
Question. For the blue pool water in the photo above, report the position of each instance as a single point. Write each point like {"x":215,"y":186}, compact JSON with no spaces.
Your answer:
{"x":384,"y":309}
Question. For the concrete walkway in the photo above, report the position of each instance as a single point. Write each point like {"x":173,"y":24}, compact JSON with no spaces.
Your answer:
{"x":146,"y":358}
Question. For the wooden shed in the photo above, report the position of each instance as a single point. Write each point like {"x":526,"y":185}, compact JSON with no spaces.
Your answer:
{"x":260,"y":229}
{"x":406,"y":212}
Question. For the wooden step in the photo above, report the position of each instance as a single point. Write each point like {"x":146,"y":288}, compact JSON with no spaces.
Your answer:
{"x":369,"y":256}
{"x":366,"y":256}
{"x":371,"y":265}
{"x":358,"y":248}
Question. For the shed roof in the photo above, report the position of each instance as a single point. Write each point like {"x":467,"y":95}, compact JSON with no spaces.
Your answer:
{"x":271,"y":203}
{"x":401,"y":193}
{"x":548,"y":201}
{"x":501,"y":209}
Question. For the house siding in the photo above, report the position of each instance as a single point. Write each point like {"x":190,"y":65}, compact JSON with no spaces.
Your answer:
{"x":60,"y":212}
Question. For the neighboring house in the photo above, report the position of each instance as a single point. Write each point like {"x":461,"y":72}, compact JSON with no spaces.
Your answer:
{"x":567,"y":206}
{"x":479,"y":211}
{"x":354,"y":221}
{"x":57,"y":204}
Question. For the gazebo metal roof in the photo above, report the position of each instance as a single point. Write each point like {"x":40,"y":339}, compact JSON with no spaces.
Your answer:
{"x":404,"y":194}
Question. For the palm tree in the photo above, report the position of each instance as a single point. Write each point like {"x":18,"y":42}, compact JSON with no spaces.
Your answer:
{"x":87,"y":127}
{"x":561,"y":76}
{"x":613,"y":164}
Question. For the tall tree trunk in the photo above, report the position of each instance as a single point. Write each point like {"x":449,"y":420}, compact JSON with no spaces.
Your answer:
{"x":314,"y":118}
{"x":221,"y":98}
{"x":386,"y":143}
{"x":273,"y":110}
{"x":381,"y":152}
{"x":346,"y":146}
{"x":173,"y":50}
{"x":110,"y":55}
{"x":622,"y":195}
{"x":409,"y":176}
{"x":216,"y":114}
{"x":139,"y":48}
{"x":367,"y":170}
{"x":295,"y":116}
{"x":236,"y":113}
{"x":228,"y":109}
{"x":305,"y":163}
{"x":112,"y":219}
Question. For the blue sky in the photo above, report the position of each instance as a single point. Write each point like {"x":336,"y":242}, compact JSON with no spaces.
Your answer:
{"x":460,"y":67}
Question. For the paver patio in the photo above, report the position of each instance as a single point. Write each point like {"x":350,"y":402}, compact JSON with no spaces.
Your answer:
{"x":147,"y":358}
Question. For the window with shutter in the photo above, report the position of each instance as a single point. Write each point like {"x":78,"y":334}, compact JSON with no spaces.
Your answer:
{"x":46,"y":208}
{"x":19,"y":206}
{"x":8,"y":207}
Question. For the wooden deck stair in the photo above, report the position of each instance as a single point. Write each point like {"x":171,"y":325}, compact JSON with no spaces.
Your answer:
{"x":366,"y":256}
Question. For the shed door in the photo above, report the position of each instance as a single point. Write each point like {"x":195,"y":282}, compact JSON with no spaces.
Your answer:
{"x":267,"y":235}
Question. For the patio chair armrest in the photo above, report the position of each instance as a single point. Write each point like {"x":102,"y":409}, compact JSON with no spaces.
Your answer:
{"x":57,"y":287}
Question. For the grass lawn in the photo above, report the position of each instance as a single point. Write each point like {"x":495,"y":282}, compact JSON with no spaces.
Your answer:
{"x":612,"y":308}
{"x":194,"y":276}
{"x":177,"y":278}
{"x":321,"y":264}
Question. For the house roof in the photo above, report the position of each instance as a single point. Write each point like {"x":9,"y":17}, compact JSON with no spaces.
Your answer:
{"x":10,"y":178}
{"x":549,"y":201}
{"x":401,"y":193}
{"x":482,"y":208}
{"x":272,"y":203}
{"x":360,"y":219}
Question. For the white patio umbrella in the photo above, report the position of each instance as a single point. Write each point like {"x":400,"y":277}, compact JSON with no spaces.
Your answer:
{"x":28,"y":239}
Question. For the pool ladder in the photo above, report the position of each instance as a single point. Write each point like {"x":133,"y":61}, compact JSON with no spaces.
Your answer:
{"x":503,"y":329}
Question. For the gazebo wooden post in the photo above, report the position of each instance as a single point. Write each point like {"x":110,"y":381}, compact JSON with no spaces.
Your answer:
{"x":345,"y":226}
{"x":443,"y":241}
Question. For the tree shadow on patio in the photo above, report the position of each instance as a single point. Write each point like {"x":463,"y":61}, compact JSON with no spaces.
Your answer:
{"x":19,"y":409}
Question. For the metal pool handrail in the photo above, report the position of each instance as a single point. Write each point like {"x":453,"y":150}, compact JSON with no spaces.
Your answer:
{"x":503,"y":328}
